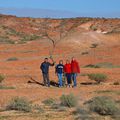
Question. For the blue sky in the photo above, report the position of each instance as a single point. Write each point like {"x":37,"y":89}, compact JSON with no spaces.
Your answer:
{"x":95,"y":8}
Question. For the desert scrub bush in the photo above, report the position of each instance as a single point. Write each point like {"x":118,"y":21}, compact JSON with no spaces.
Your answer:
{"x":103,"y":105}
{"x":58,"y":107}
{"x":107,"y":65}
{"x":82,"y":113}
{"x":30,"y":37}
{"x":102,"y":65}
{"x":6,"y":40}
{"x":38,"y":108}
{"x":68,"y":100}
{"x":12,"y":59}
{"x":94,"y":28}
{"x":49,"y":101}
{"x":19,"y":104}
{"x":98,"y":77}
{"x":94,"y":45}
{"x":6,"y":87}
{"x":91,"y":66}
{"x":2,"y":77}
{"x":84,"y":53}
{"x":116,"y":83}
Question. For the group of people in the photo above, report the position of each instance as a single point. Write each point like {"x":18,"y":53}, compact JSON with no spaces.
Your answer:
{"x":66,"y":71}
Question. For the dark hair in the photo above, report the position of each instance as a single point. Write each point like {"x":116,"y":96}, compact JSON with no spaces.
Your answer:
{"x":46,"y":58}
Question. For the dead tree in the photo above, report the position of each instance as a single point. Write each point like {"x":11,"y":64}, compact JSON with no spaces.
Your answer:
{"x":56,"y":33}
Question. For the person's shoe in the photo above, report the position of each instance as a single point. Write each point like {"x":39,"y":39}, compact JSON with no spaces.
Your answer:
{"x":74,"y":86}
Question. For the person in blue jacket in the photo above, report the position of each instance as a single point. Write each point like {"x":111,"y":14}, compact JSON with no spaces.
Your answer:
{"x":59,"y":71}
{"x":45,"y":71}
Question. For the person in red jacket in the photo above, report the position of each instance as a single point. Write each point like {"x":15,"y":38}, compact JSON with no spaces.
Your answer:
{"x":67,"y":71}
{"x":75,"y":69}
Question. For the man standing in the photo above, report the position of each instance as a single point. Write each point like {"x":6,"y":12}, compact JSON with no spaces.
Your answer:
{"x":75,"y":70}
{"x":45,"y":71}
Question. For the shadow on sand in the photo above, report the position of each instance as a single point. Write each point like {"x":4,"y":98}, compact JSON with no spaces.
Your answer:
{"x":33,"y":81}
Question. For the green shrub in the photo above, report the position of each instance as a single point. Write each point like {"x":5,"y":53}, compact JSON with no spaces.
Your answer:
{"x":6,"y":40}
{"x":12,"y":59}
{"x":19,"y":104}
{"x":49,"y":101}
{"x":2,"y":77}
{"x":94,"y":28}
{"x":68,"y":100}
{"x":98,"y":77}
{"x":103,"y":105}
{"x":30,"y":37}
{"x":58,"y":107}
{"x":6,"y":87}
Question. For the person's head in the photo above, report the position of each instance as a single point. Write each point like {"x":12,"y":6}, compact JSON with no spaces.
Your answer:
{"x":61,"y":62}
{"x":67,"y":61}
{"x":73,"y":58}
{"x":46,"y":60}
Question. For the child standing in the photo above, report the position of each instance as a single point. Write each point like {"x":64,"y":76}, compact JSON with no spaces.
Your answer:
{"x":67,"y":70}
{"x":59,"y":72}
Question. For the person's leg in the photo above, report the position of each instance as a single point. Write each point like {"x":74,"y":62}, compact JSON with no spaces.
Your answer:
{"x":64,"y":80}
{"x":69,"y":79}
{"x":44,"y":79}
{"x":74,"y":79}
{"x":48,"y":80}
{"x":60,"y":80}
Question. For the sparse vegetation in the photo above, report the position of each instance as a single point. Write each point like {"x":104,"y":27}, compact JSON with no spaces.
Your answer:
{"x":68,"y":100}
{"x":102,"y":65}
{"x":94,"y":28}
{"x":91,"y":66}
{"x":19,"y":104}
{"x":108,"y":65}
{"x":49,"y":101}
{"x":12,"y":59}
{"x":103,"y":105}
{"x":116,"y":83}
{"x":29,"y":38}
{"x":84,"y":53}
{"x":6,"y":87}
{"x":6,"y":40}
{"x":38,"y":108}
{"x":108,"y":91}
{"x":98,"y":77}
{"x":2,"y":77}
{"x":83,"y":114}
{"x":94,"y":45}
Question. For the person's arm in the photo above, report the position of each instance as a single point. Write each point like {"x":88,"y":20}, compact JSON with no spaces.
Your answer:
{"x":78,"y":68}
{"x":41,"y":66}
{"x":53,"y":62}
{"x":56,"y":69}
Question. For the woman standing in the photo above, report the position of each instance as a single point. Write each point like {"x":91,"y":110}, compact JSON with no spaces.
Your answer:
{"x":75,"y":70}
{"x":67,"y":70}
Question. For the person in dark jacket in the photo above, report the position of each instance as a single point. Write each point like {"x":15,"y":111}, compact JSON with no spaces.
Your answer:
{"x":67,"y":70}
{"x":75,"y":69}
{"x":59,"y":71}
{"x":45,"y":71}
